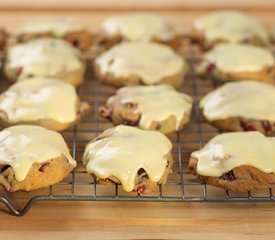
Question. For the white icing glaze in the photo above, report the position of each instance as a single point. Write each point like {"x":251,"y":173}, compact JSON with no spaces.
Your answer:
{"x":155,"y":103}
{"x":125,"y":152}
{"x":230,"y":150}
{"x":43,"y":57}
{"x":58,"y":26}
{"x":40,"y":98}
{"x":248,"y":99}
{"x":232,"y":26}
{"x":22,"y":146}
{"x":230,"y":58}
{"x":139,"y":27}
{"x":150,"y":61}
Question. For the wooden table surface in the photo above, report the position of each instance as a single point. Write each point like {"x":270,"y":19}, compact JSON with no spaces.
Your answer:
{"x":122,"y":220}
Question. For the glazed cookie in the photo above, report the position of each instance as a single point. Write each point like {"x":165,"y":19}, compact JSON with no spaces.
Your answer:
{"x":159,"y":108}
{"x":228,"y":26}
{"x":68,"y":28}
{"x":45,"y":57}
{"x":122,"y":155}
{"x":47,"y":102}
{"x":241,"y":106}
{"x":240,"y":161}
{"x":32,"y":157}
{"x":140,"y":63}
{"x":139,"y":27}
{"x":235,"y":62}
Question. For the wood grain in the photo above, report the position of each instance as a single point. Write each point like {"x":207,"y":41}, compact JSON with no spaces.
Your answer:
{"x":121,"y":220}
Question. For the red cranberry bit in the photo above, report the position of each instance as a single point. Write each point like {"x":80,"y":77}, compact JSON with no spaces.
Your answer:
{"x":19,"y":70}
{"x":43,"y":166}
{"x":246,"y":126}
{"x":266,"y":126}
{"x":105,"y":112}
{"x":74,"y":42}
{"x":229,"y":176}
{"x":141,"y":189}
{"x":210,"y":68}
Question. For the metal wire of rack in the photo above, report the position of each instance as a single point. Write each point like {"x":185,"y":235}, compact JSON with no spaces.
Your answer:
{"x":181,"y":185}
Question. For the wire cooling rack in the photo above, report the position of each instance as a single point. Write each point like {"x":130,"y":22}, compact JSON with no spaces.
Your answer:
{"x":181,"y":185}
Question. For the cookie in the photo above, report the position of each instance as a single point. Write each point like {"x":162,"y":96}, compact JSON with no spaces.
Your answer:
{"x":47,"y":102}
{"x":139,"y":26}
{"x":241,"y":106}
{"x":45,"y":57}
{"x":240,"y":161}
{"x":228,"y":26}
{"x":32,"y":157}
{"x":139,"y":63}
{"x":67,"y":28}
{"x":158,"y":107}
{"x":122,"y":155}
{"x":235,"y":62}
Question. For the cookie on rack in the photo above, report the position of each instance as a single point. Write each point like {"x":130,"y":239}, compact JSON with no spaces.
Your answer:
{"x":235,"y":62}
{"x":241,"y":106}
{"x":32,"y":157}
{"x":158,"y":107}
{"x":139,"y":63}
{"x":47,"y":102}
{"x":139,"y":26}
{"x":139,"y":160}
{"x":67,"y":28}
{"x":229,"y":26}
{"x":240,"y":161}
{"x":45,"y":57}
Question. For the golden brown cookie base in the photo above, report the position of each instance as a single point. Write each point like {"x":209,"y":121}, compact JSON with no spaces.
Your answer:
{"x":199,"y":38}
{"x":142,"y":184}
{"x":176,"y":80}
{"x":80,"y":39}
{"x":266,"y":74}
{"x":40,"y":175}
{"x":127,"y":115}
{"x":240,"y":179}
{"x":82,"y":110}
{"x":239,"y":124}
{"x":106,"y":41}
{"x":75,"y":77}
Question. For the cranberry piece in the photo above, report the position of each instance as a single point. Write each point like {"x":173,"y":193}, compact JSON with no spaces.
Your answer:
{"x":43,"y":166}
{"x":19,"y":70}
{"x":74,"y":42}
{"x":266,"y":126}
{"x":229,"y":176}
{"x":210,"y":68}
{"x":141,"y":189}
{"x":246,"y":126}
{"x":105,"y":112}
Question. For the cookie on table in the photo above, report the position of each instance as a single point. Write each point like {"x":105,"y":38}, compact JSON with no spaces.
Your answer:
{"x":241,"y":106}
{"x":240,"y":161}
{"x":122,"y":155}
{"x":229,"y":26}
{"x":67,"y":28}
{"x":32,"y":157}
{"x":235,"y":62}
{"x":45,"y":57}
{"x":139,"y":63}
{"x":139,"y":26}
{"x":47,"y":102}
{"x":158,"y":107}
